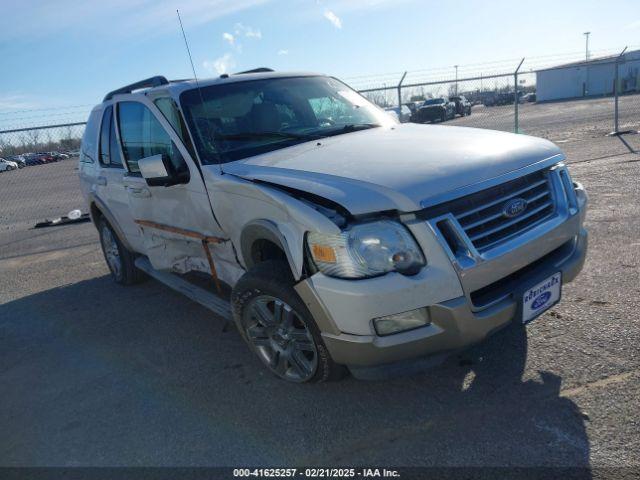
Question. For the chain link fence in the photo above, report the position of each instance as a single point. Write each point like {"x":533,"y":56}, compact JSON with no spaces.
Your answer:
{"x":38,"y":180}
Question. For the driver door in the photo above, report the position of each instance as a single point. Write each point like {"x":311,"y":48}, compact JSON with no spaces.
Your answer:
{"x":143,"y":132}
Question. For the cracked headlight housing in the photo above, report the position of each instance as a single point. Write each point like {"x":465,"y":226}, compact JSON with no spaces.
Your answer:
{"x":366,"y":250}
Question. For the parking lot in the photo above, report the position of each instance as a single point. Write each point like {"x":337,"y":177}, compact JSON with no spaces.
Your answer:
{"x":559,"y":121}
{"x":92,"y":373}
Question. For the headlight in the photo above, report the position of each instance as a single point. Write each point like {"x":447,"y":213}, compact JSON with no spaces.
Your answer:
{"x":366,"y":250}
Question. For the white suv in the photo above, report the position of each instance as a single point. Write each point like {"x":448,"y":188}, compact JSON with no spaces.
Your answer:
{"x":335,"y":235}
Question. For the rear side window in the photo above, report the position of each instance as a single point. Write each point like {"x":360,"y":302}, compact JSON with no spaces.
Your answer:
{"x":109,"y":149}
{"x":142,"y":136}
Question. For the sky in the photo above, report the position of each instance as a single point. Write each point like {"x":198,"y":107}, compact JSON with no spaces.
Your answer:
{"x":57,"y":54}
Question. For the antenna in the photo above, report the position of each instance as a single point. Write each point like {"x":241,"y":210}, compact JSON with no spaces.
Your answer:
{"x":195,"y":77}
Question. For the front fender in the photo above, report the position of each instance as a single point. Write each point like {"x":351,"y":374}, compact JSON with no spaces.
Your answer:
{"x":248,"y":211}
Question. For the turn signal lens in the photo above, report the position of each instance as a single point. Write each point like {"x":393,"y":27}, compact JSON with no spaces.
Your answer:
{"x":323,"y":253}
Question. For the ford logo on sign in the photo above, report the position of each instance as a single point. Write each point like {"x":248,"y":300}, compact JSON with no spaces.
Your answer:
{"x":514,"y":207}
{"x":541,"y":300}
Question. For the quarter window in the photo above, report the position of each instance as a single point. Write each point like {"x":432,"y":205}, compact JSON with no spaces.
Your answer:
{"x":170,"y":111}
{"x":142,"y":136}
{"x":89,"y":143}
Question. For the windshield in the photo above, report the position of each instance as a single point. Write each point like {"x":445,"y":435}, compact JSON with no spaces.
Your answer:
{"x":434,"y":101}
{"x":242,"y":119}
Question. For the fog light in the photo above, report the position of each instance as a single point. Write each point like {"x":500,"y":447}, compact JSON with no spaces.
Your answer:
{"x":401,"y":322}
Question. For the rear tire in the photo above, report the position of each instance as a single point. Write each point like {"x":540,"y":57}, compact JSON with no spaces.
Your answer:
{"x":279,"y":328}
{"x":120,"y":260}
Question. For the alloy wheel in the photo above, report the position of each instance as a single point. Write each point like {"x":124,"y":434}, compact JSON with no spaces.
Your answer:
{"x":281,"y":338}
{"x":111,"y":251}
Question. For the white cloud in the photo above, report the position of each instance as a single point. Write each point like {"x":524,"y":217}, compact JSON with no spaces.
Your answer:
{"x":220,"y":65}
{"x":249,"y":32}
{"x":283,"y":52}
{"x":17,"y":101}
{"x":633,"y":25}
{"x":134,"y":17}
{"x":333,"y":18}
{"x":227,"y":37}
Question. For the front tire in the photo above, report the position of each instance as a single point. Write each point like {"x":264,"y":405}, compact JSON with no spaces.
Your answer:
{"x":120,"y":260}
{"x":279,"y":328}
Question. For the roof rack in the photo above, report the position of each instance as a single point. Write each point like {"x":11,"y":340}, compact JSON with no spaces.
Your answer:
{"x":256,"y":70}
{"x":147,"y":83}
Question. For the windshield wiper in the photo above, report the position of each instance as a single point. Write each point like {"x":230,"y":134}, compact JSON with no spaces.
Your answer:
{"x":253,"y":135}
{"x":351,"y":127}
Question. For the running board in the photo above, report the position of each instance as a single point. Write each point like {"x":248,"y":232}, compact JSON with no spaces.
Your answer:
{"x":205,"y":298}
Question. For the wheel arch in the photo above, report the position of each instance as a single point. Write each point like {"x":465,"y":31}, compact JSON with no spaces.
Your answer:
{"x":97,"y":210}
{"x":264,"y":234}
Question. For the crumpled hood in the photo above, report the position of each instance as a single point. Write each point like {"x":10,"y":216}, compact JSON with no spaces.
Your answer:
{"x":395,"y":168}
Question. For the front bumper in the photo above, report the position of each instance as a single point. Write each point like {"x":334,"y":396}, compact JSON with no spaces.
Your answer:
{"x":343,"y":309}
{"x":454,"y":324}
{"x":431,"y":114}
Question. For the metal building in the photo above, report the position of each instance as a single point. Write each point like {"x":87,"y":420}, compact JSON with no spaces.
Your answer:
{"x":589,"y":79}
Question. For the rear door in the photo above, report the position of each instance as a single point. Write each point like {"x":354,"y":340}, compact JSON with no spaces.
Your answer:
{"x":145,"y":131}
{"x":110,"y":182}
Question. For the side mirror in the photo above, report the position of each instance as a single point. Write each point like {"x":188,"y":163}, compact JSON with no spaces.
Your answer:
{"x":158,"y":171}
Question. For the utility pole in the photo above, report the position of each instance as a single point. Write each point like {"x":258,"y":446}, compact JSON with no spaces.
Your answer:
{"x":456,"y":67}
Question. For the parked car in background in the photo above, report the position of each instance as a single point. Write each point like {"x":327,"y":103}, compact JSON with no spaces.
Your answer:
{"x":435,"y":109}
{"x":56,"y":156}
{"x":31,"y":159}
{"x":6,"y":165}
{"x":413,"y":106}
{"x":402,"y":114}
{"x":45,"y":157}
{"x":19,"y":160}
{"x":463,"y":106}
{"x":505,"y":99}
{"x":529,"y":97}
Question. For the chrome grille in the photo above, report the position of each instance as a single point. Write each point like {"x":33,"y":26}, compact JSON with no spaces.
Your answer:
{"x":482,"y":216}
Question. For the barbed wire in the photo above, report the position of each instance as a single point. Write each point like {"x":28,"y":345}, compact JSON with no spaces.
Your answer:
{"x":75,"y":113}
{"x":530,"y":65}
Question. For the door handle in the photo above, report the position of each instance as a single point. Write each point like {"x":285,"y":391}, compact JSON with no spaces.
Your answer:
{"x":140,"y":192}
{"x":102,"y":181}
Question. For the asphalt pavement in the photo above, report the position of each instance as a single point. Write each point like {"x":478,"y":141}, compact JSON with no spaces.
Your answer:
{"x":95,"y":374}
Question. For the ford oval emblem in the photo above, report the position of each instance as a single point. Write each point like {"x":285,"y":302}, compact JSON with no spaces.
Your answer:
{"x":541,"y":300}
{"x":514,"y":207}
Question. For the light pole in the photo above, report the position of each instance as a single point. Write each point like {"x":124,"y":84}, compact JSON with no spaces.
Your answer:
{"x":456,"y":67}
{"x":586,"y":49}
{"x":586,"y":61}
